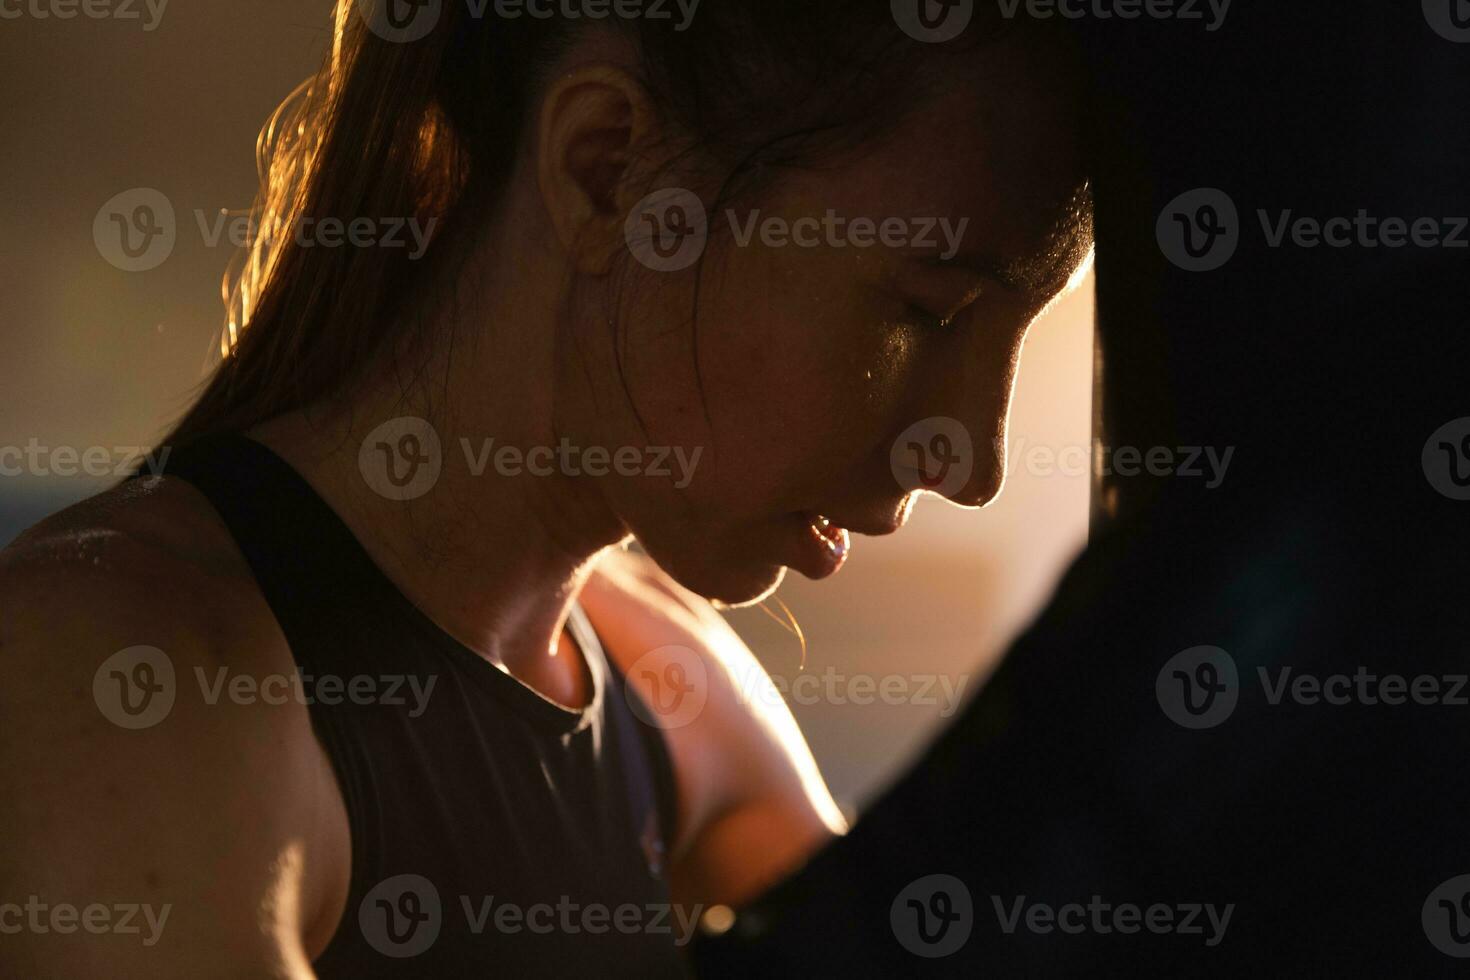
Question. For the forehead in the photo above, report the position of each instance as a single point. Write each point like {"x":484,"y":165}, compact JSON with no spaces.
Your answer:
{"x":994,"y":139}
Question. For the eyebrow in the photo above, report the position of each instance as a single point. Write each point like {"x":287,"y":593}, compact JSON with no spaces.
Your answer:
{"x":1045,"y":272}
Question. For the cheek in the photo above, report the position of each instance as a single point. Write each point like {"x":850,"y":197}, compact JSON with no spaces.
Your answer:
{"x":803,"y":382}
{"x":800,"y":384}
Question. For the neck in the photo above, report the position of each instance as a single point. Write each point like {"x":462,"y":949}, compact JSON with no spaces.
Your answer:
{"x":496,"y":560}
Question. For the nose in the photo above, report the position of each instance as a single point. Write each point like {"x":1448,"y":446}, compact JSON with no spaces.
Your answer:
{"x":967,"y":401}
{"x":959,"y":458}
{"x":985,"y":483}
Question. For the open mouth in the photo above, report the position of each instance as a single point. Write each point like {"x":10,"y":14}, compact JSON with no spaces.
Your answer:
{"x":834,"y":537}
{"x":823,"y":546}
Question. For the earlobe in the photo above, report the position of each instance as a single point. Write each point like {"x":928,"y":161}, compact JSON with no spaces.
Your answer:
{"x":595,"y":130}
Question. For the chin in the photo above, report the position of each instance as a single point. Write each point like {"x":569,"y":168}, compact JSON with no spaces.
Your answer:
{"x":730,"y":582}
{"x":753,"y":590}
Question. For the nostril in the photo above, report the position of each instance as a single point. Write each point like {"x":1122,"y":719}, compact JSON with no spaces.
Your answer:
{"x":983,"y":487}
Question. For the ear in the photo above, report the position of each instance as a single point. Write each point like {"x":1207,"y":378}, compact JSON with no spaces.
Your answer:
{"x":595,"y":132}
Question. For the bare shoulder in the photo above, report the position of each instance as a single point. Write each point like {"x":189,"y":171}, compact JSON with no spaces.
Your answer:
{"x":111,"y":611}
{"x":148,"y":556}
{"x":147,"y":563}
{"x":109,"y":754}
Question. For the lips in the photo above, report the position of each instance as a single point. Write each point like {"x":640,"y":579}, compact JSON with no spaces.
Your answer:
{"x":873,"y":522}
{"x":835,"y":538}
{"x":817,"y":544}
{"x":814,"y":545}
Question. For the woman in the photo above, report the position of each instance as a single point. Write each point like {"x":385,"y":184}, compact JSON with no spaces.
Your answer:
{"x":386,"y":696}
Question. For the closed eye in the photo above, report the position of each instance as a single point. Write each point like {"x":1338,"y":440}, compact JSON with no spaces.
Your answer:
{"x":922,"y":318}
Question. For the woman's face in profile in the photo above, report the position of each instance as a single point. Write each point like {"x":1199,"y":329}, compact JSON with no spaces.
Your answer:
{"x":827,"y":367}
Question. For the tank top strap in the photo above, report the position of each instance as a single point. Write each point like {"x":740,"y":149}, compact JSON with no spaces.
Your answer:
{"x":304,"y":558}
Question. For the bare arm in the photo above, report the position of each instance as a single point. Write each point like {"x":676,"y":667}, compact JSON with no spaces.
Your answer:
{"x":753,"y":806}
{"x":175,"y":848}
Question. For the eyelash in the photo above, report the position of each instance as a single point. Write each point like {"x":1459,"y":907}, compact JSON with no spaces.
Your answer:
{"x":925,"y":320}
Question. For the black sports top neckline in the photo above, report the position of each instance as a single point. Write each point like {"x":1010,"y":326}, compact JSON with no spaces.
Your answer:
{"x":494,"y":831}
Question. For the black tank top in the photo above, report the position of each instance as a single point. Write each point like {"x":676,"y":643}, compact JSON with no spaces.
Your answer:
{"x":495,"y":833}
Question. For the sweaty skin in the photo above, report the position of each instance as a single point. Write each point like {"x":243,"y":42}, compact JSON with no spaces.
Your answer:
{"x":114,"y":813}
{"x":809,"y":363}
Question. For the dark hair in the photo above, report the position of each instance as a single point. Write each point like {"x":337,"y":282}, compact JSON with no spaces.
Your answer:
{"x":430,"y":128}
